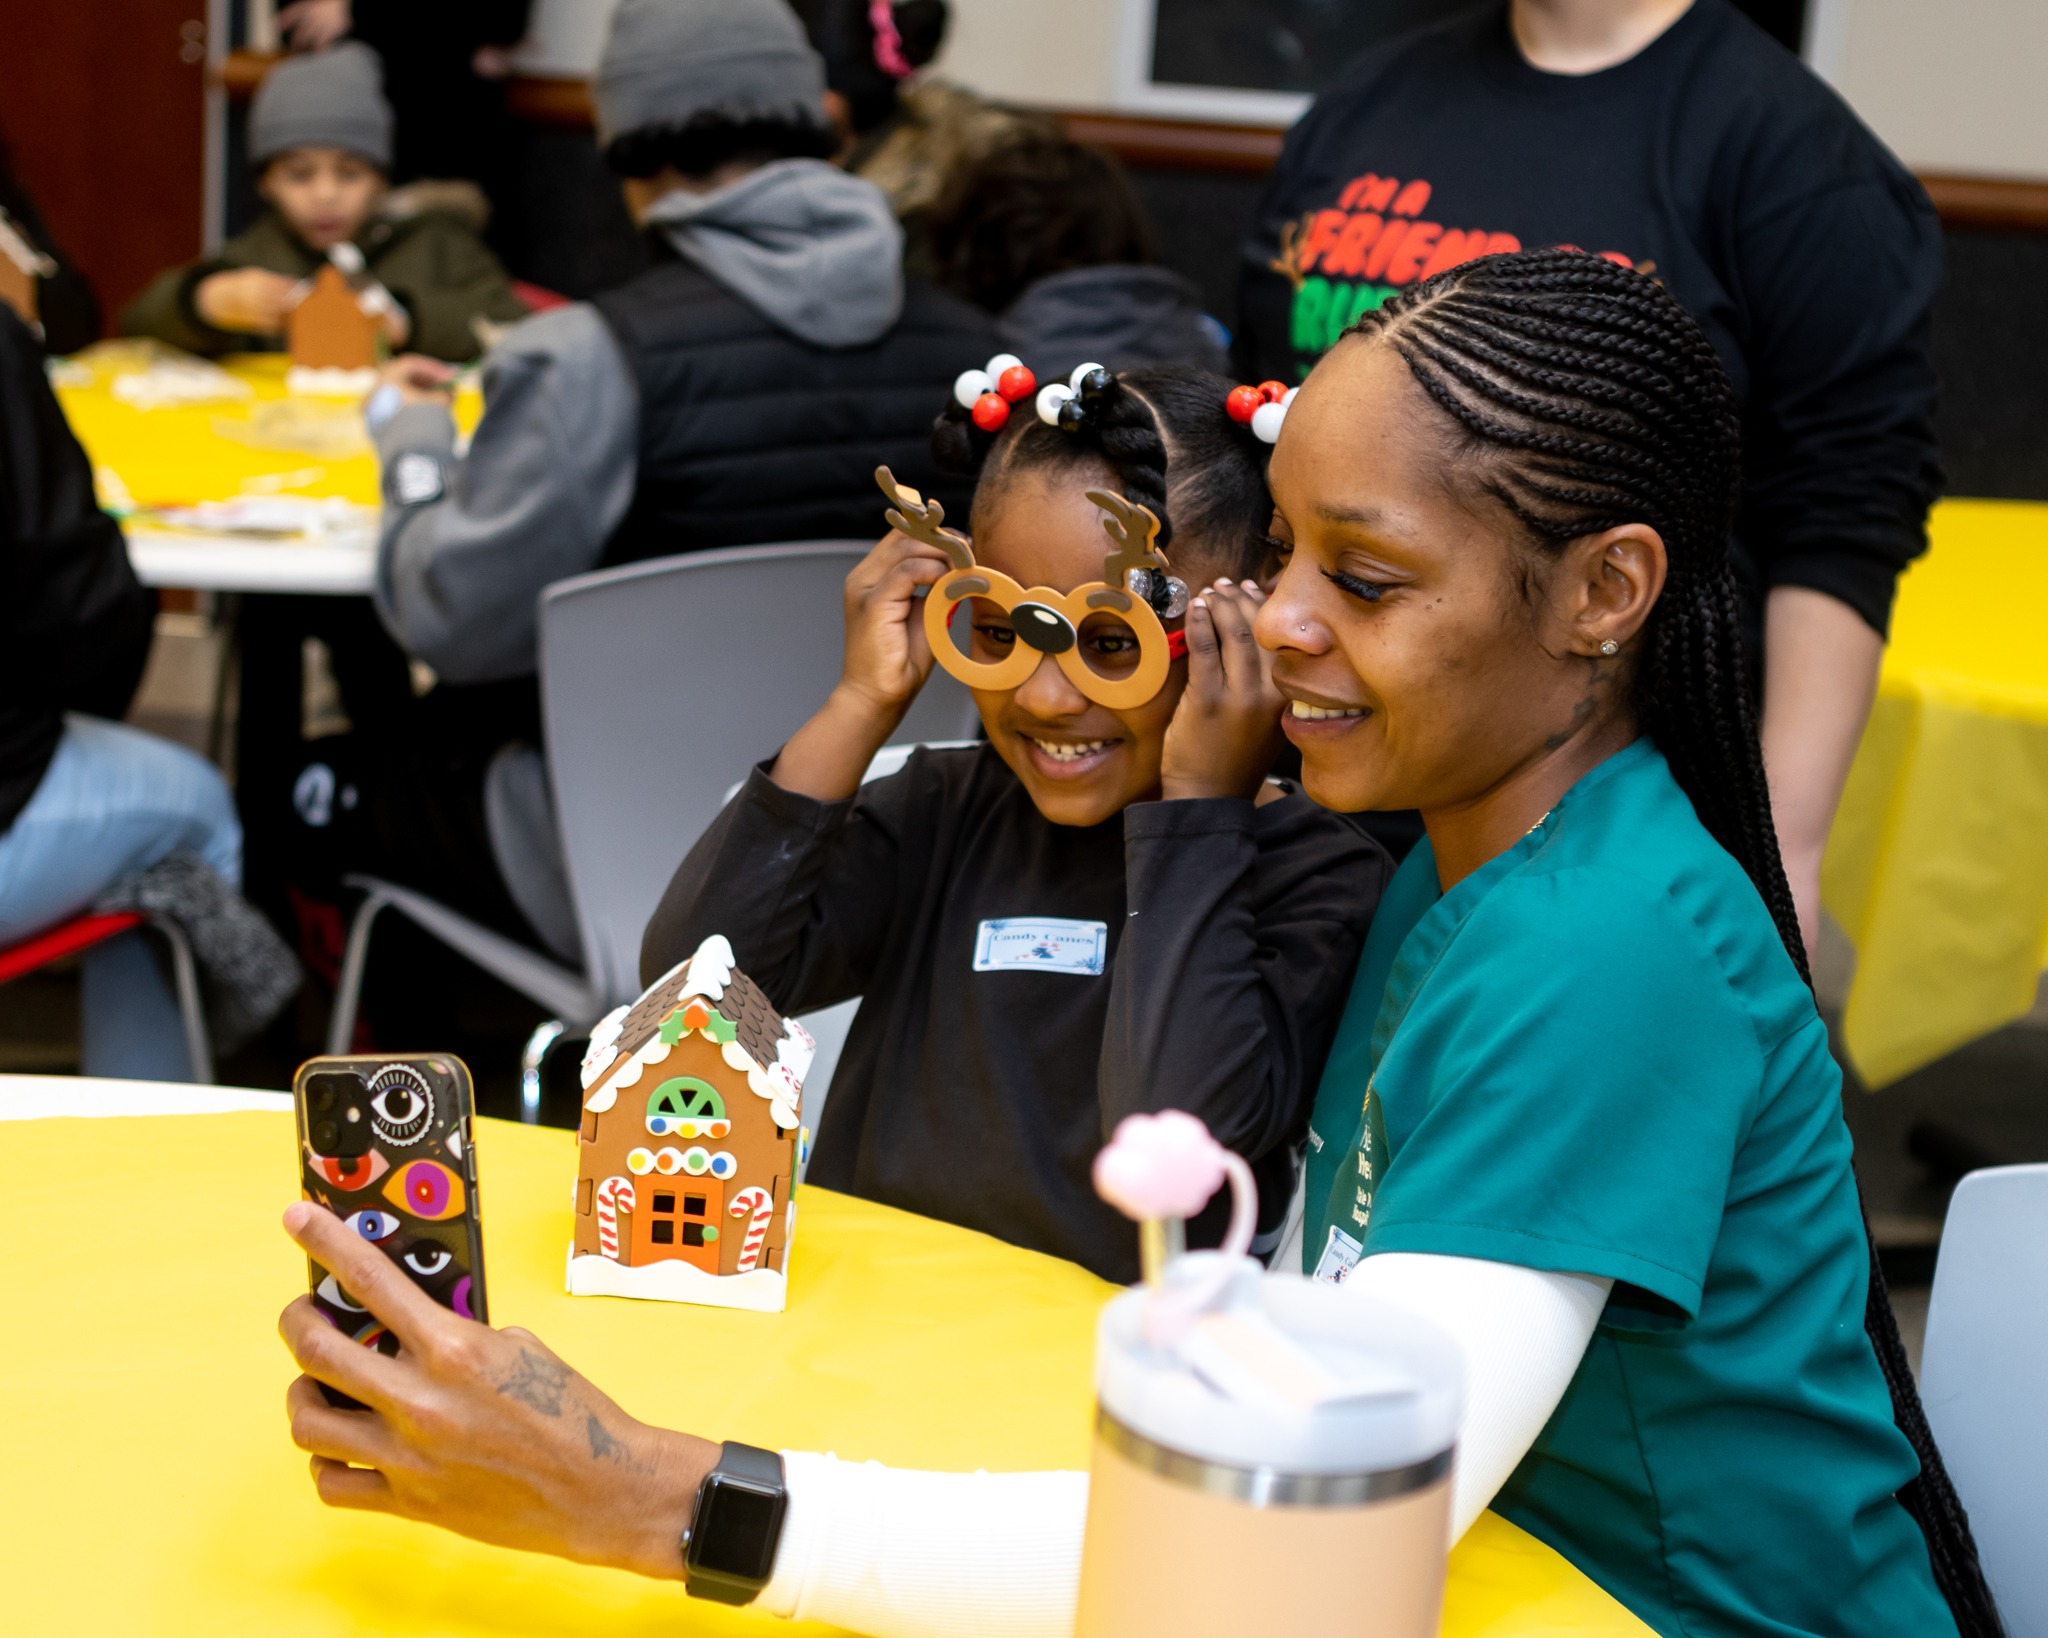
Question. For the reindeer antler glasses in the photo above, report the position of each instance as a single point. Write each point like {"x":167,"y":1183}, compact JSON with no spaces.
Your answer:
{"x":1047,"y":622}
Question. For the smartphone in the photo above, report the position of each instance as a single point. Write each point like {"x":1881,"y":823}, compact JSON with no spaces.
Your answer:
{"x":385,"y":1144}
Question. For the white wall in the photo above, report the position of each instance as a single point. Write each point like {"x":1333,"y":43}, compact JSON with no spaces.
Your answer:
{"x":1951,"y":85}
{"x":1049,"y":52}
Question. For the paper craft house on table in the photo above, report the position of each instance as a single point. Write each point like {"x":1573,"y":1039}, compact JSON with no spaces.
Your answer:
{"x":688,"y":1152}
{"x":329,"y":329}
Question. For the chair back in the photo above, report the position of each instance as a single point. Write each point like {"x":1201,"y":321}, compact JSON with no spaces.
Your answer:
{"x":1984,"y":1378}
{"x":662,"y":683}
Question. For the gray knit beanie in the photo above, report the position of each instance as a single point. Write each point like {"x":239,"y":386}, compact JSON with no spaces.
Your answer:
{"x":324,"y":99}
{"x":668,"y":61}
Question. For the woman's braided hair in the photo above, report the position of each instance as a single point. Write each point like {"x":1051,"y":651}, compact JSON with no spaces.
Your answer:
{"x":1599,"y":401}
{"x":1216,"y":497}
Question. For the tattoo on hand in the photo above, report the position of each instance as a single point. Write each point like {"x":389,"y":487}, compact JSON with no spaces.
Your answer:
{"x":537,"y":1381}
{"x":602,"y":1445}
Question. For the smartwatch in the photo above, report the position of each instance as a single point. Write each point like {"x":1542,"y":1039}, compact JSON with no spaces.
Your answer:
{"x":736,"y":1525}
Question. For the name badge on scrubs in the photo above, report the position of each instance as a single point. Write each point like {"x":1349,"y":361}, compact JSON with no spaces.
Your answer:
{"x":1045,"y":944}
{"x":1340,"y":1257}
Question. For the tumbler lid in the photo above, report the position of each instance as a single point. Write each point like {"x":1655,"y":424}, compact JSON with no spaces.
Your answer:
{"x":1394,"y":1382}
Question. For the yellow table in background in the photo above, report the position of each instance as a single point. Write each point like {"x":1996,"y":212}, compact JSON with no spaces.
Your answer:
{"x":269,"y":443}
{"x":1938,"y":865}
{"x":151,"y":1487}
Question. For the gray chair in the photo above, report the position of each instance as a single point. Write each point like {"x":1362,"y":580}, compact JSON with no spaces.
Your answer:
{"x":662,"y":683}
{"x":1984,"y":1378}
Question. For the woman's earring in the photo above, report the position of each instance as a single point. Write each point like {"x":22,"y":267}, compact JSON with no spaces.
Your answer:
{"x":1610,"y":648}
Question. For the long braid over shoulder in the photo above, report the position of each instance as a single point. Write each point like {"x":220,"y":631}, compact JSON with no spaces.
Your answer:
{"x":1593,"y":399}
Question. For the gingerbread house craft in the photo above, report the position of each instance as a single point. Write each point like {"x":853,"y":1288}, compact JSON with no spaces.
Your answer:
{"x":329,"y":328}
{"x":685,"y":1171}
{"x":22,"y":266}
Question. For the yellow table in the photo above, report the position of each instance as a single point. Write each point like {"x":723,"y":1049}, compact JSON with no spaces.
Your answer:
{"x":269,"y":443}
{"x":1938,"y":865}
{"x":151,"y":1488}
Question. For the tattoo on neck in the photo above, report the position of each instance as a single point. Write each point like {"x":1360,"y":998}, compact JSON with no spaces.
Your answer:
{"x":536,"y":1381}
{"x":1600,"y":676}
{"x":602,"y":1445}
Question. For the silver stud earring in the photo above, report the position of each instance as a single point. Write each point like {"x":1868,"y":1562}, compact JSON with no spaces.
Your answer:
{"x":1610,"y":648}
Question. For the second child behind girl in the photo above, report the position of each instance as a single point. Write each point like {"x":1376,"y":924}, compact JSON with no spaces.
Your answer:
{"x":1208,"y":919}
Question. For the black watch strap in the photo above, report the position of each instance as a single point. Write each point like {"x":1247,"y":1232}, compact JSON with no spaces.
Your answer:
{"x":736,"y":1525}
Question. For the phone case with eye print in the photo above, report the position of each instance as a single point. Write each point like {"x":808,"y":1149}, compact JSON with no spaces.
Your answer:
{"x":385,"y":1144}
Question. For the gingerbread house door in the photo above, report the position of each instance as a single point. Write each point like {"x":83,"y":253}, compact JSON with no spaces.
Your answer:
{"x":677,"y":1217}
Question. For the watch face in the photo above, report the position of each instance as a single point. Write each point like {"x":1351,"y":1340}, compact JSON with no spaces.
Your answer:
{"x":736,"y":1535}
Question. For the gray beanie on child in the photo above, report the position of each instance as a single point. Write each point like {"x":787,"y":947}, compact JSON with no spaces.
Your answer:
{"x":668,"y":61}
{"x":324,"y":99}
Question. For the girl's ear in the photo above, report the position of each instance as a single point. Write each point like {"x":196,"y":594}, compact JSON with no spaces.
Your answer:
{"x":1607,"y":584}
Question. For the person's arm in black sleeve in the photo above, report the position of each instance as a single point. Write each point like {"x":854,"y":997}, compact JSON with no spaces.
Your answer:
{"x":79,"y":625}
{"x":1840,"y":461}
{"x":1243,"y":926}
{"x":803,"y":889}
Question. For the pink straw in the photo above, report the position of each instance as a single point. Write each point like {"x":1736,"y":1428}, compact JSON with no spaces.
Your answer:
{"x":1159,"y":1170}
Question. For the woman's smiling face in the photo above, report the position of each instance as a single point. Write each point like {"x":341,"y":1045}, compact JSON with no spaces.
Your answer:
{"x":1081,"y":762}
{"x":1412,"y":629}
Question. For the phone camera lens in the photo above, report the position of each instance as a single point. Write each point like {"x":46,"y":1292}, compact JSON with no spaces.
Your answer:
{"x":322,"y":1098}
{"x":326,"y":1135}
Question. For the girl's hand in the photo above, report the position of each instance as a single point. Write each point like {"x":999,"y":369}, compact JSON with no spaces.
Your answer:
{"x":1226,"y":730}
{"x":482,"y":1432}
{"x":887,"y":662}
{"x":887,"y":656}
{"x":250,"y":300}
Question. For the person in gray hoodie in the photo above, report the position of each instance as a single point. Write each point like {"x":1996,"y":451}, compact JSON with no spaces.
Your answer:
{"x":742,"y":390}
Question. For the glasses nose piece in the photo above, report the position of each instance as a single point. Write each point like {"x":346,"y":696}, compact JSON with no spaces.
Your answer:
{"x":1041,"y":628}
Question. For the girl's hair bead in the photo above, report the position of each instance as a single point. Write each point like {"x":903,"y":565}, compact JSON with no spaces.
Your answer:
{"x":991,"y":412}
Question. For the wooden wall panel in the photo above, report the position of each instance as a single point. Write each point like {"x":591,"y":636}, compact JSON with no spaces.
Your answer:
{"x":102,"y":104}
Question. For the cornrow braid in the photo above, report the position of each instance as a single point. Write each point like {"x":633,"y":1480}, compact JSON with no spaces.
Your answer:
{"x":1601,"y":402}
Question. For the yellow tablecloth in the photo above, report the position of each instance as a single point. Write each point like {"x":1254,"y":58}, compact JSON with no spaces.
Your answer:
{"x":150,"y":1486}
{"x":178,"y":456}
{"x":1938,"y":865}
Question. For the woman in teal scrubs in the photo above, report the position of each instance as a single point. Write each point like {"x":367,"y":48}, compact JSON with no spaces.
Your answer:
{"x":1581,"y":1113}
{"x":1581,"y":1037}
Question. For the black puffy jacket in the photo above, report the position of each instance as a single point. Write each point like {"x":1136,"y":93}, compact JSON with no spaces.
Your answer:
{"x":749,"y":435}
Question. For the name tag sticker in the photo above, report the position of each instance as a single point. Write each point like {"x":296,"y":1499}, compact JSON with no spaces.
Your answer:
{"x":1045,"y":944}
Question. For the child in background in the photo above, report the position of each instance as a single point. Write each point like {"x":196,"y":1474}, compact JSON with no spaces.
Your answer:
{"x":1230,"y":910}
{"x":1049,"y":236}
{"x":320,"y":139}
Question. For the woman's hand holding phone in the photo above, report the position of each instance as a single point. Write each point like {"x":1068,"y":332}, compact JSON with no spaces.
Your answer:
{"x":1226,"y":730}
{"x":887,"y":662}
{"x":484,"y":1432}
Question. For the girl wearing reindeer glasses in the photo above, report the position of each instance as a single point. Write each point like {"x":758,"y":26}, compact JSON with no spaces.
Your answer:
{"x":1106,"y":907}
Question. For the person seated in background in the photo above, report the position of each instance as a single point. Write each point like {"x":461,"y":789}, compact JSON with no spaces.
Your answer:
{"x":320,"y":139}
{"x":741,"y":391}
{"x":975,"y":1086}
{"x":84,"y":800}
{"x":66,"y":305}
{"x":905,"y":131}
{"x":1049,"y":235}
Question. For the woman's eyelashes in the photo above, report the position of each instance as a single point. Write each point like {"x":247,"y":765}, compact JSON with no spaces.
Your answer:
{"x":1368,"y":591}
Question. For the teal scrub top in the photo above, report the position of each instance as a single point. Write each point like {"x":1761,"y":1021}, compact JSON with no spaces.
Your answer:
{"x":1593,"y":1056}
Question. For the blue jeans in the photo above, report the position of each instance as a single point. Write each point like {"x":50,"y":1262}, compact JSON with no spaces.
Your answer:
{"x":113,"y":802}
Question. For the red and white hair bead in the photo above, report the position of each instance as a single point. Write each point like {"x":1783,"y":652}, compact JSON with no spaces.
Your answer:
{"x":987,"y":393}
{"x":1262,"y":408}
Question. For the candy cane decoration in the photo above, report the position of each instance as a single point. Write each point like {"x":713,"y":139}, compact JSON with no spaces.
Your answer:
{"x":614,"y":1194}
{"x":762,"y":1204}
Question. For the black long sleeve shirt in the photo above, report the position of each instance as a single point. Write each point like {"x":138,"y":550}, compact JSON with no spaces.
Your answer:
{"x":1712,"y":160}
{"x":74,"y":622}
{"x":981,"y":1096}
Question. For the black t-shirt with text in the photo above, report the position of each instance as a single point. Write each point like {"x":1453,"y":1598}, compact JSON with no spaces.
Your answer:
{"x":1712,"y":161}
